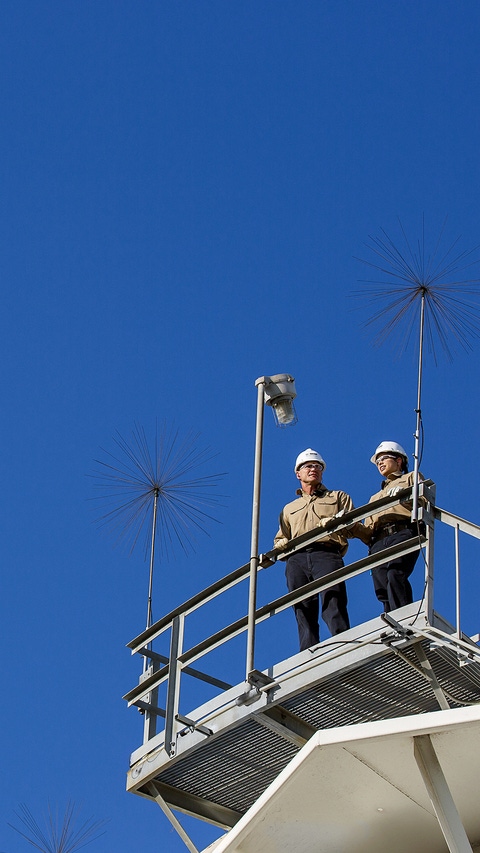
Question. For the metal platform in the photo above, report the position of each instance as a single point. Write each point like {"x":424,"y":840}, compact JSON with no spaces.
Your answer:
{"x":237,"y":744}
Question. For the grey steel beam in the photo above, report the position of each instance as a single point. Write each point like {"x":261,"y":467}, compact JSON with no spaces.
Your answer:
{"x":286,"y":724}
{"x":455,"y":521}
{"x":279,"y":729}
{"x":440,"y":795}
{"x":151,"y":709}
{"x":192,"y":805}
{"x":429,"y":566}
{"x":151,"y":700}
{"x":425,"y":668}
{"x":432,"y":678}
{"x":192,"y":725}
{"x":189,"y":670}
{"x":457,"y":579}
{"x":173,"y":688}
{"x":173,"y":820}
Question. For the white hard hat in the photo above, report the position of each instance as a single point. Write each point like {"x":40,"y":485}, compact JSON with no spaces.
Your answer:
{"x":389,"y":447}
{"x":309,"y":455}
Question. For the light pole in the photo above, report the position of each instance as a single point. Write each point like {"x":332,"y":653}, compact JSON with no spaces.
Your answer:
{"x":278,"y":392}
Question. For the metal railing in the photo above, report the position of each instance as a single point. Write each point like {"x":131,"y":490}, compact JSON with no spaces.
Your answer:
{"x":180,"y":661}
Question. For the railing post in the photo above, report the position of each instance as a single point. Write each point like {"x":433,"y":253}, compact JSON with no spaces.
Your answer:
{"x":150,"y":721}
{"x":173,"y":689}
{"x":457,"y":579}
{"x":429,"y":520}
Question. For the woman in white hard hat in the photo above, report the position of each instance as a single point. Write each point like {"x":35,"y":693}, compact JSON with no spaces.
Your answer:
{"x":391,"y":526}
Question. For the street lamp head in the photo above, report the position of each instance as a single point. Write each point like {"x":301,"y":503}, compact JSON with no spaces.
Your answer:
{"x":279,"y":393}
{"x":284,"y":412}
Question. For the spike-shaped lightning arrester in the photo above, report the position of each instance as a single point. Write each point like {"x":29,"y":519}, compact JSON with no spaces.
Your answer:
{"x":430,"y":290}
{"x":156,"y":491}
{"x":62,"y":833}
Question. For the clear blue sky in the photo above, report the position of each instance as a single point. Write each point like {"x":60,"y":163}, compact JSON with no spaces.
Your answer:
{"x":185,"y":186}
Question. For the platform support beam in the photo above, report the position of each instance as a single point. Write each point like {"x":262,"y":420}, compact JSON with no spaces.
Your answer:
{"x":173,"y":820}
{"x":432,"y":678}
{"x":440,"y":795}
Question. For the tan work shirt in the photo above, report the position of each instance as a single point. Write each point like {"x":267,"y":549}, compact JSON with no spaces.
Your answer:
{"x":402,"y":512}
{"x":309,"y":511}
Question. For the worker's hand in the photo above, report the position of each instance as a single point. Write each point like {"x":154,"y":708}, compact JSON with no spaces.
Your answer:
{"x":329,"y":521}
{"x":394,"y":491}
{"x":363,"y":533}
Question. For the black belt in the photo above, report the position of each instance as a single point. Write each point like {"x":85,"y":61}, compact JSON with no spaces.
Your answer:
{"x":395,"y":527}
{"x":320,"y":546}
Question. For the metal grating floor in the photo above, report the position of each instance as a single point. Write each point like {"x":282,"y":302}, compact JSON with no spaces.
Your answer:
{"x":385,"y":688}
{"x":233,"y":769}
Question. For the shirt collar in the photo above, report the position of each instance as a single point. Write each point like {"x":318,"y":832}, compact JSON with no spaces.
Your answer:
{"x":320,"y":490}
{"x":393,"y":476}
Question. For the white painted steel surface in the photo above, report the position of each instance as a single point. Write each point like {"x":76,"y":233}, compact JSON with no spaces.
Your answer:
{"x":358,"y":788}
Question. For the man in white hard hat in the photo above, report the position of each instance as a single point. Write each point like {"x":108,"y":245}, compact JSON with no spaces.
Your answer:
{"x":314,"y":506}
{"x":392,"y":526}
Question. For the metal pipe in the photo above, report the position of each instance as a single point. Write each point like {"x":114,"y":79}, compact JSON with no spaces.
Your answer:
{"x":146,"y":663}
{"x":257,"y":481}
{"x":418,"y":410}
{"x":152,"y":559}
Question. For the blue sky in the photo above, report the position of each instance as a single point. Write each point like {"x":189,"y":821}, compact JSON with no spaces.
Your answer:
{"x":185,"y":188}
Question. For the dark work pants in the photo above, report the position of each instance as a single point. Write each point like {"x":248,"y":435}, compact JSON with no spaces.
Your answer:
{"x":304,"y":567}
{"x":390,"y":581}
